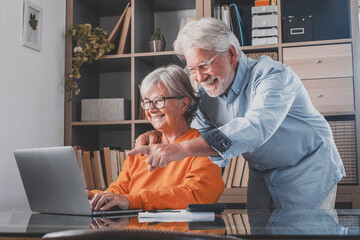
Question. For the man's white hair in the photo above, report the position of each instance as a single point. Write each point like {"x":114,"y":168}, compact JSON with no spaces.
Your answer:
{"x":207,"y":34}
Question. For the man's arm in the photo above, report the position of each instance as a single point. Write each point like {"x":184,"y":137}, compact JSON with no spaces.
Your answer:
{"x":150,"y":137}
{"x":159,"y":155}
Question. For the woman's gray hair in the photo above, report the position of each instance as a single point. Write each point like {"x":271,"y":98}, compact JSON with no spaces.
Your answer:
{"x":208,"y":34}
{"x":178,"y":84}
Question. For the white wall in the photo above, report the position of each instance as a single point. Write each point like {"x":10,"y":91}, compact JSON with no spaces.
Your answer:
{"x":31,"y":92}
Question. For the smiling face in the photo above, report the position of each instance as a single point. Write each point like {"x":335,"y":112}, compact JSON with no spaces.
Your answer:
{"x":170,"y":119}
{"x":222,"y":72}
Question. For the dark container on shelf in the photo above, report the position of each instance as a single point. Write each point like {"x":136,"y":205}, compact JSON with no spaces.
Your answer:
{"x":297,"y":29}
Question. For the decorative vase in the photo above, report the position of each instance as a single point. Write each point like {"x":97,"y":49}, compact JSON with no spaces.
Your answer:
{"x":157,"y":45}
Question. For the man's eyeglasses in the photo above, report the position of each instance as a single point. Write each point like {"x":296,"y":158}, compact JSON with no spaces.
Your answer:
{"x":158,"y":102}
{"x":204,"y":67}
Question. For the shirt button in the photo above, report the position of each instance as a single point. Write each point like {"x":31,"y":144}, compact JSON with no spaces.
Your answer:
{"x":237,"y":90}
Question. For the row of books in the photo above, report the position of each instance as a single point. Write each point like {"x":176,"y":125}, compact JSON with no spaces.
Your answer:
{"x":100,"y":168}
{"x":230,"y":15}
{"x":236,"y":173}
{"x":120,"y":36}
{"x":236,"y":224}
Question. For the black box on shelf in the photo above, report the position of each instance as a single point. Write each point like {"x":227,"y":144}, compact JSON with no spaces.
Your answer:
{"x":297,"y":29}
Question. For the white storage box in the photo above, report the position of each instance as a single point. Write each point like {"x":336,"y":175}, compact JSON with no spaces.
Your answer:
{"x":264,"y":32}
{"x":264,"y":9}
{"x":264,"y":41}
{"x":262,"y":21}
{"x":109,"y":109}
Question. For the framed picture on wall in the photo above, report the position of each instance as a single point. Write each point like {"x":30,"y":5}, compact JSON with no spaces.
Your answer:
{"x":32,"y":25}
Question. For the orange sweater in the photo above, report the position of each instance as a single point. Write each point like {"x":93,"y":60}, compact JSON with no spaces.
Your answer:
{"x":191,"y":180}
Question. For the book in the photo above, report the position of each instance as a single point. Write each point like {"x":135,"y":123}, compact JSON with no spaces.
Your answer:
{"x":107,"y":162}
{"x":227,"y":224}
{"x":245,"y":177}
{"x":114,"y":36}
{"x":240,"y":228}
{"x":124,"y":36}
{"x":226,"y":172}
{"x":81,"y":165}
{"x":239,"y":167}
{"x":231,"y":172}
{"x":97,"y":156}
{"x":141,"y":115}
{"x":118,"y":163}
{"x":217,"y":11}
{"x":232,"y":223}
{"x":95,"y":169}
{"x":88,"y":170}
{"x":237,"y":26}
{"x":114,"y":164}
{"x":273,"y":2}
{"x":225,"y":15}
{"x":246,"y":222}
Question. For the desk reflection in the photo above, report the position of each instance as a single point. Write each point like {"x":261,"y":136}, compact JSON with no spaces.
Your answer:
{"x":244,"y":223}
{"x":215,"y":227}
{"x":44,"y":223}
{"x":293,"y":222}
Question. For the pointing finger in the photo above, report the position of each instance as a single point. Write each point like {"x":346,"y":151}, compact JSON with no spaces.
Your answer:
{"x":151,"y":168}
{"x":140,"y":150}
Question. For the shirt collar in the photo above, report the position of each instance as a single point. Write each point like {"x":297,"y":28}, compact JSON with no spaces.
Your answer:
{"x":235,"y":88}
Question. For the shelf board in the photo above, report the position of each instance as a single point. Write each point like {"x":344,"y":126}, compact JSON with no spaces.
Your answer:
{"x":338,"y":113}
{"x":234,"y":191}
{"x":348,"y":189}
{"x":259,"y":47}
{"x":142,"y":121}
{"x":322,"y":42}
{"x":101,"y":123}
{"x":233,"y":195}
{"x":111,"y":56}
{"x":244,"y":48}
{"x":149,"y":54}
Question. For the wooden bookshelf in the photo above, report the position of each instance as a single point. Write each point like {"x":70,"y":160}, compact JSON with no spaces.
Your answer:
{"x":329,"y":33}
{"x":118,"y":75}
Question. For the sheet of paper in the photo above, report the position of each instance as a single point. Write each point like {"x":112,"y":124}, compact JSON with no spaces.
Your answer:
{"x":175,"y":216}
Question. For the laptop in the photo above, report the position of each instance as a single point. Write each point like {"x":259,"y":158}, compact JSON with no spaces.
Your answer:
{"x":53,"y":184}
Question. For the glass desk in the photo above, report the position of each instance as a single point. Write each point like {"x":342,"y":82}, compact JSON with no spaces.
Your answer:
{"x":256,"y":224}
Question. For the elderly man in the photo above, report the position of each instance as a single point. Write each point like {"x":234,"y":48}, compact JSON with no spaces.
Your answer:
{"x":258,"y":108}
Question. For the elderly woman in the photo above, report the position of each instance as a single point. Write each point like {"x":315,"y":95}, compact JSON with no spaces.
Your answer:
{"x":170,"y":104}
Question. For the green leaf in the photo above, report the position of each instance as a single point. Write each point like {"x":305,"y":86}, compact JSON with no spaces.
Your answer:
{"x":91,"y":44}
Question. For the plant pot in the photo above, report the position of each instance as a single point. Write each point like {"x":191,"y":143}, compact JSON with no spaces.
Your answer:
{"x":157,"y":45}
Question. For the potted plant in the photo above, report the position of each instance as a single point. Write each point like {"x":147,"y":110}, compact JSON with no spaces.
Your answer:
{"x":90,"y":44}
{"x":157,"y":42}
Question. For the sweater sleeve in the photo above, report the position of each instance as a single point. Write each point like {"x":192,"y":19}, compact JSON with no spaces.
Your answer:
{"x":202,"y":184}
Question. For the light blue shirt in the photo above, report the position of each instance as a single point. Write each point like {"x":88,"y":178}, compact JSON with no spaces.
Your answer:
{"x":268,"y":117}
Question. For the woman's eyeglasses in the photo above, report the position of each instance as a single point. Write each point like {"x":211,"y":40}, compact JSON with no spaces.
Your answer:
{"x":158,"y":102}
{"x":204,"y":67}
